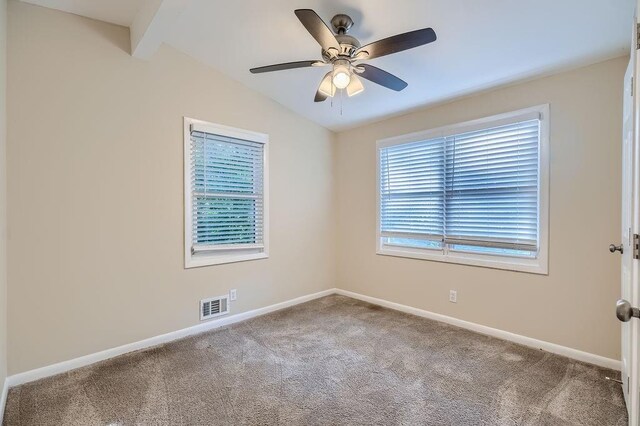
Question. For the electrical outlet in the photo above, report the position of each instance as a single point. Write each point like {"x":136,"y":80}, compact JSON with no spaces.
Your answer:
{"x":453,"y":296}
{"x":233,"y":294}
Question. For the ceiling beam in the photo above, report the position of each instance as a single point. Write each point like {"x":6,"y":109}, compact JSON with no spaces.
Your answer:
{"x":152,"y":24}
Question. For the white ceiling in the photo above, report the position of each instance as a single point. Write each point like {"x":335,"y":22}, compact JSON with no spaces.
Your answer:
{"x":481,"y":44}
{"x":120,"y":12}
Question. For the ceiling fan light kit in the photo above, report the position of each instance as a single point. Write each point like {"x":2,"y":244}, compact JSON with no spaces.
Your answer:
{"x":327,"y":88}
{"x":344,"y":52}
{"x":341,"y":73}
{"x":355,"y":86}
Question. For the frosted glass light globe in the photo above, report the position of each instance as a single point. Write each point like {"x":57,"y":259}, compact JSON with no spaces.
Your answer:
{"x":341,"y":80}
{"x":341,"y":74}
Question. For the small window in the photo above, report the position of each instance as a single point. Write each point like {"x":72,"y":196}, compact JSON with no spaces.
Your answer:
{"x":474,"y":193}
{"x":226,"y":203}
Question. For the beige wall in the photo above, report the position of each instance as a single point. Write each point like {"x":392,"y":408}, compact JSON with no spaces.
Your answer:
{"x":572,"y":306}
{"x":95,"y":191}
{"x":95,"y":206}
{"x":3,"y":191}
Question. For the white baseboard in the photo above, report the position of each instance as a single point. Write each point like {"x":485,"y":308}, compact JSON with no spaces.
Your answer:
{"x":500,"y":334}
{"x":63,"y":367}
{"x":3,"y":397}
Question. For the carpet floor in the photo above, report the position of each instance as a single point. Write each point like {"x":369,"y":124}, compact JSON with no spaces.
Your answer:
{"x":332,"y":361}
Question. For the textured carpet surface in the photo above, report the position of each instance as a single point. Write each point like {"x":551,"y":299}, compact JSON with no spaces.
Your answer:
{"x":332,"y":361}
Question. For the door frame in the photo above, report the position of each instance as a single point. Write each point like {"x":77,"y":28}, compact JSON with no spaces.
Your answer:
{"x":633,"y":372}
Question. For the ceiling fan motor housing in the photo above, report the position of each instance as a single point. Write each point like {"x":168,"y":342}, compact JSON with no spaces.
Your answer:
{"x":341,"y":23}
{"x":348,"y":45}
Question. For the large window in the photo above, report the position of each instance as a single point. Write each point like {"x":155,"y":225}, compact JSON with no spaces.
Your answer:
{"x":473,"y":193}
{"x":225,"y":194}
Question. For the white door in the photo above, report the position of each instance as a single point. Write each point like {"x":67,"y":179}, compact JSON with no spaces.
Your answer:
{"x":630,"y":207}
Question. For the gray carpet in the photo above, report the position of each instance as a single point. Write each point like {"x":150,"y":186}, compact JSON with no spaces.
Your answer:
{"x":332,"y":361}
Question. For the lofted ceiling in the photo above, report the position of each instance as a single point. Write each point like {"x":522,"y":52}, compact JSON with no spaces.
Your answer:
{"x":120,"y":12}
{"x":481,"y":44}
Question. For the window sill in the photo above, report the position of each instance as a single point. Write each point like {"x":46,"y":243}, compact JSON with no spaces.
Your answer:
{"x":196,"y":261}
{"x":516,"y":264}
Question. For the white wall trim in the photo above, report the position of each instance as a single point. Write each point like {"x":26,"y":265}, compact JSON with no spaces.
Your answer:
{"x":3,"y":398}
{"x":494,"y":332}
{"x":83,"y":361}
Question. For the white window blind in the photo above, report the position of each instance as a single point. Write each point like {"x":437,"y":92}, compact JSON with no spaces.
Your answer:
{"x":412,"y":191}
{"x":473,"y":191}
{"x":227,"y":193}
{"x":492,"y":187}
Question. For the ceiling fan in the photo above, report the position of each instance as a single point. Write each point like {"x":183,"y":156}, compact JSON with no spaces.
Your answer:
{"x":343,"y":52}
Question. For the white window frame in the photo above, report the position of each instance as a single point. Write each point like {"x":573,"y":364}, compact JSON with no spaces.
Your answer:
{"x":223,"y":256}
{"x":537,"y":265}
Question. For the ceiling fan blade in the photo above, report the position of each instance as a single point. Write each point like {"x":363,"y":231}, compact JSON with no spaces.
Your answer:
{"x":326,"y":88}
{"x":381,"y":77}
{"x":398,"y":43}
{"x":285,"y":66}
{"x":318,"y":29}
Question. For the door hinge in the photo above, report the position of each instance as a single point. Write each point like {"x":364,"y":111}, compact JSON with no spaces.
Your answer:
{"x":636,"y":246}
{"x":637,"y":36}
{"x":631,"y":84}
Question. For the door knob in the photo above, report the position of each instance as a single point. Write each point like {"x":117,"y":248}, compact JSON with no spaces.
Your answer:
{"x":613,"y":248}
{"x":624,"y":311}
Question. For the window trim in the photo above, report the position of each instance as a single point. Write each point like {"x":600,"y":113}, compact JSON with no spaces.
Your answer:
{"x":222,"y":256}
{"x":538,"y":265}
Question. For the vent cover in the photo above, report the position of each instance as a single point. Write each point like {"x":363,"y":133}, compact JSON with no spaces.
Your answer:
{"x":214,"y":307}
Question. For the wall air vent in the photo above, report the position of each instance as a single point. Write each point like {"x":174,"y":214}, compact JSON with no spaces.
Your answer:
{"x":213,"y":307}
